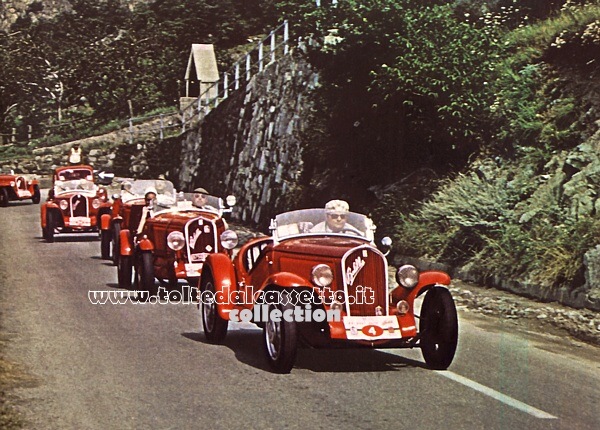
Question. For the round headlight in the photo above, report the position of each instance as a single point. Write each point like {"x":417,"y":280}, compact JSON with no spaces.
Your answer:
{"x":230,"y":200}
{"x":64,"y":205}
{"x":322,"y":275}
{"x":403,"y":307}
{"x":407,"y":276}
{"x":229,"y":239}
{"x":176,"y":240}
{"x":96,"y":203}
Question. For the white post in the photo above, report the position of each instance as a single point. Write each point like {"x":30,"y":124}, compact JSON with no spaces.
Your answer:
{"x":216,"y":94}
{"x":237,"y":76}
{"x":161,"y":127}
{"x":247,"y":68}
{"x":272,"y":47}
{"x":130,"y":130}
{"x":286,"y":36}
{"x":260,"y":57}
{"x":183,"y":120}
{"x":226,"y":85}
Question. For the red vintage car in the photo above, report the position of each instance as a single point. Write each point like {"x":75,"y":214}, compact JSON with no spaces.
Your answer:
{"x":126,"y":211}
{"x":306,"y":284}
{"x":173,"y":243}
{"x":75,"y":203}
{"x":18,"y":187}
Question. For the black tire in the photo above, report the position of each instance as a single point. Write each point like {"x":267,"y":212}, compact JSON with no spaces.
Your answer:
{"x":124,"y":271}
{"x":116,"y":243}
{"x":144,"y":273}
{"x":105,"y":244}
{"x":439,"y":328}
{"x":215,"y":327}
{"x":3,"y":197}
{"x":50,"y":226}
{"x":36,"y":195}
{"x":280,"y":341}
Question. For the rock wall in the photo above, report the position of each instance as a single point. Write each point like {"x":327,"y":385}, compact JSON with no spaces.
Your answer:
{"x":249,"y":146}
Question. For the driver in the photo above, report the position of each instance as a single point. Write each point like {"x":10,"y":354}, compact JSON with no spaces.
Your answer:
{"x":199,"y":199}
{"x":148,"y":209}
{"x":335,"y":222}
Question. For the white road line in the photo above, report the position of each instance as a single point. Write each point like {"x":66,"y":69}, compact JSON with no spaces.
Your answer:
{"x":496,"y":395}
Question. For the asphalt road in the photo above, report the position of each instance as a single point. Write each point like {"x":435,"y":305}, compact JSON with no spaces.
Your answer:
{"x":148,"y":366}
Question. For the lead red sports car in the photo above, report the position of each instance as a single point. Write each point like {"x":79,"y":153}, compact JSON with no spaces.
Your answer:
{"x":306,"y":284}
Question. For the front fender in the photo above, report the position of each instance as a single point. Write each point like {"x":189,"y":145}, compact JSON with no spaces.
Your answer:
{"x":145,"y":244}
{"x":426,"y":280}
{"x":126,"y":246}
{"x":105,"y":221}
{"x":285,"y":280}
{"x":223,"y":274}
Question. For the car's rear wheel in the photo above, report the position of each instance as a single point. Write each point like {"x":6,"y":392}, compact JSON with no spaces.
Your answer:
{"x":215,"y":327}
{"x":439,"y":328}
{"x":105,"y":244}
{"x":116,"y":243}
{"x":36,"y":195}
{"x":50,"y":226}
{"x":3,"y":197}
{"x":281,"y":341}
{"x":144,"y":273}
{"x":124,"y":271}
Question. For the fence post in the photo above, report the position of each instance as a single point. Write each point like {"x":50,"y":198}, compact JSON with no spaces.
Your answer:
{"x":286,"y":37}
{"x":237,"y":76}
{"x":13,"y":137}
{"x":226,"y":85}
{"x":260,"y":56}
{"x":130,"y":130}
{"x":273,"y":47}
{"x":183,"y":120}
{"x":29,"y":132}
{"x":247,"y":67}
{"x":216,"y":99}
{"x":162,"y":135}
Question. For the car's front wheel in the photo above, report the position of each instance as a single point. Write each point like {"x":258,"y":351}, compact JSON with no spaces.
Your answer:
{"x":281,"y":340}
{"x":36,"y":195}
{"x":439,"y":328}
{"x":124,"y":270}
{"x":105,"y":244}
{"x":3,"y":197}
{"x":116,"y":243}
{"x":50,"y":226}
{"x":144,"y":273}
{"x":215,"y":327}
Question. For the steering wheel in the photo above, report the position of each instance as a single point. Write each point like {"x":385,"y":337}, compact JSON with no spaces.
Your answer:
{"x":351,"y":229}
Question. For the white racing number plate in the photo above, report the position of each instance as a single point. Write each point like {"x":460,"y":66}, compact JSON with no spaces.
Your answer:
{"x":80,"y":221}
{"x":193,"y":269}
{"x":372,"y":328}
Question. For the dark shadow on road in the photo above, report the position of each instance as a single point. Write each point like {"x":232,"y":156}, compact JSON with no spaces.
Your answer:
{"x":248,"y":348}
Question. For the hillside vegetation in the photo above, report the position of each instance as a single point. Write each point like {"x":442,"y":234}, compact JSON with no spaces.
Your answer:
{"x":469,"y":129}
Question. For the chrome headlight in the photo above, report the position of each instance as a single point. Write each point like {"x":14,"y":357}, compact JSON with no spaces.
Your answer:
{"x":321,"y":275}
{"x":229,"y":239}
{"x":407,"y":276}
{"x":175,"y":240}
{"x":230,"y":200}
{"x":96,"y":203}
{"x":64,"y":205}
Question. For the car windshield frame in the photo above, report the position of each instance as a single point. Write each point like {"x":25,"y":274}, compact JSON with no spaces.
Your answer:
{"x":77,"y":185}
{"x":74,"y":174}
{"x":165,"y":191}
{"x":307,"y":223}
